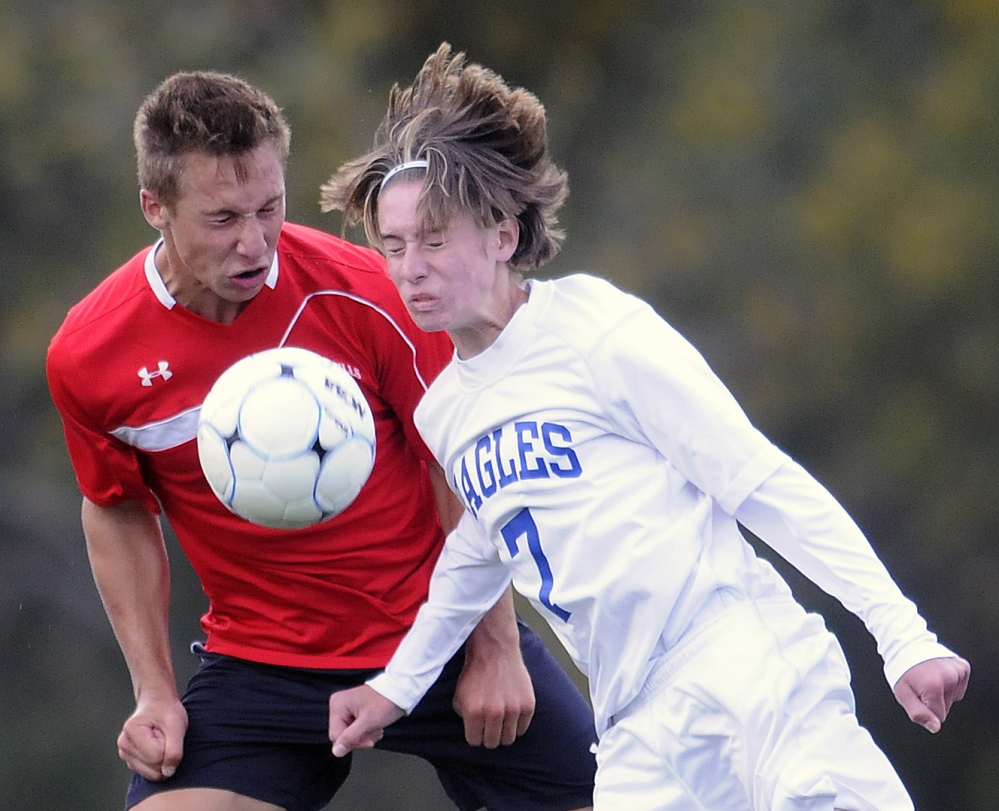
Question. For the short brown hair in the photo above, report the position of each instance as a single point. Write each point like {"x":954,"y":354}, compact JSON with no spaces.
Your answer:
{"x":486,"y":145}
{"x":202,"y":111}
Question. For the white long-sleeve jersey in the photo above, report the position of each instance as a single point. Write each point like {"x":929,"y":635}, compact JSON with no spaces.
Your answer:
{"x":605,"y":469}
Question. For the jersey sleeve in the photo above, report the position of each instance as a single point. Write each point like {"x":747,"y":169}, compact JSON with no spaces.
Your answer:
{"x":798,"y":518}
{"x":467,"y":581}
{"x":660,"y":390}
{"x":107,"y":470}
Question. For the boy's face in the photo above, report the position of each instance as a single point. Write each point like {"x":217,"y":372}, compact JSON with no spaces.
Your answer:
{"x":220,"y":235}
{"x":455,"y":279}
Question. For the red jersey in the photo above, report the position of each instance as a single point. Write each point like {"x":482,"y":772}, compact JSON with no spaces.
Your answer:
{"x":128,"y":371}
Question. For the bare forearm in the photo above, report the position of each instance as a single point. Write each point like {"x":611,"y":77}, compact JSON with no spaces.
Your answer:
{"x":497,"y":630}
{"x":129,"y":563}
{"x":449,"y":508}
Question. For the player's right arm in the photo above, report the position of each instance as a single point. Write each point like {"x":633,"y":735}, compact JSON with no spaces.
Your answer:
{"x":358,"y":718}
{"x":129,"y":563}
{"x":468,"y":580}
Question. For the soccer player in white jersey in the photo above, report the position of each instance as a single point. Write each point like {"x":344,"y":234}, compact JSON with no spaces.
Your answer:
{"x":605,"y":470}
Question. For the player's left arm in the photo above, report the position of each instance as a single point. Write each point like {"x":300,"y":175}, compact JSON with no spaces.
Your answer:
{"x":926,"y":691}
{"x":494,"y":696}
{"x":797,"y":517}
{"x":687,"y":413}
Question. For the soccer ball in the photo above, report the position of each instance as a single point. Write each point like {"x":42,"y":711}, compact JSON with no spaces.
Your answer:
{"x":286,"y":438}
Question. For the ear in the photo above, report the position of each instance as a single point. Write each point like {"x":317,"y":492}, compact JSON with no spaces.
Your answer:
{"x":508,"y":233}
{"x":152,"y":209}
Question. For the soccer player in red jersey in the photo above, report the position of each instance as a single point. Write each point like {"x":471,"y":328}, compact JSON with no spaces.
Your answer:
{"x":296,"y":614}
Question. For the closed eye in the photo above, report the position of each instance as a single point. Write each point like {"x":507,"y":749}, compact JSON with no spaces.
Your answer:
{"x":392,"y":247}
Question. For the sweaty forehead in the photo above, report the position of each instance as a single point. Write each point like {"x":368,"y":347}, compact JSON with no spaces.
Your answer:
{"x":406,"y":209}
{"x":245,"y":180}
{"x":399,"y":208}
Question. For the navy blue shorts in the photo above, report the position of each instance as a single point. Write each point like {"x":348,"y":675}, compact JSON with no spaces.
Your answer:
{"x":262,"y":731}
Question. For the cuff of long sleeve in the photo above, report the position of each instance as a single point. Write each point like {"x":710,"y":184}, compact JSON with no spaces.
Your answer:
{"x":404,"y":696}
{"x":912,"y":655}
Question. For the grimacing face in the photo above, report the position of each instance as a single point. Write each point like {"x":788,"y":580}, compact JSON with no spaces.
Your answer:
{"x":456,"y":279}
{"x":220,"y":235}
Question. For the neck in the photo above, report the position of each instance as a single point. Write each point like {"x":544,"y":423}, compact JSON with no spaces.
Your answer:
{"x":476,"y":339}
{"x":191,"y":294}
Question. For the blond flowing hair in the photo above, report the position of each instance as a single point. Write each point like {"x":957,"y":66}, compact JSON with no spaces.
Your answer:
{"x":486,"y":150}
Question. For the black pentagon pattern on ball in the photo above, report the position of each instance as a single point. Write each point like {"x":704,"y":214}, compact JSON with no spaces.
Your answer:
{"x":342,"y":464}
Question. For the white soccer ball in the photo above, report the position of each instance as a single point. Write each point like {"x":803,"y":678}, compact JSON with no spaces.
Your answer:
{"x":286,"y":438}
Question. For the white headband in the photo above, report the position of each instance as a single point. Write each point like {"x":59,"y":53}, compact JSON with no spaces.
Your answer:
{"x":420,"y":163}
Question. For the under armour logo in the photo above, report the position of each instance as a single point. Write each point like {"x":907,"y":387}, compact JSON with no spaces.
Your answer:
{"x":163,"y":371}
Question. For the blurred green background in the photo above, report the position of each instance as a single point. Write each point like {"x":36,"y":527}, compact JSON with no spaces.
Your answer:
{"x":808,"y":190}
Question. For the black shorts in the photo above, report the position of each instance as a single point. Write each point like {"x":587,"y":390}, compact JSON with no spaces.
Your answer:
{"x":262,"y":731}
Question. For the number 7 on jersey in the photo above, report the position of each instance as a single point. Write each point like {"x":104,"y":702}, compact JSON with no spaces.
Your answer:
{"x":523,"y":524}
